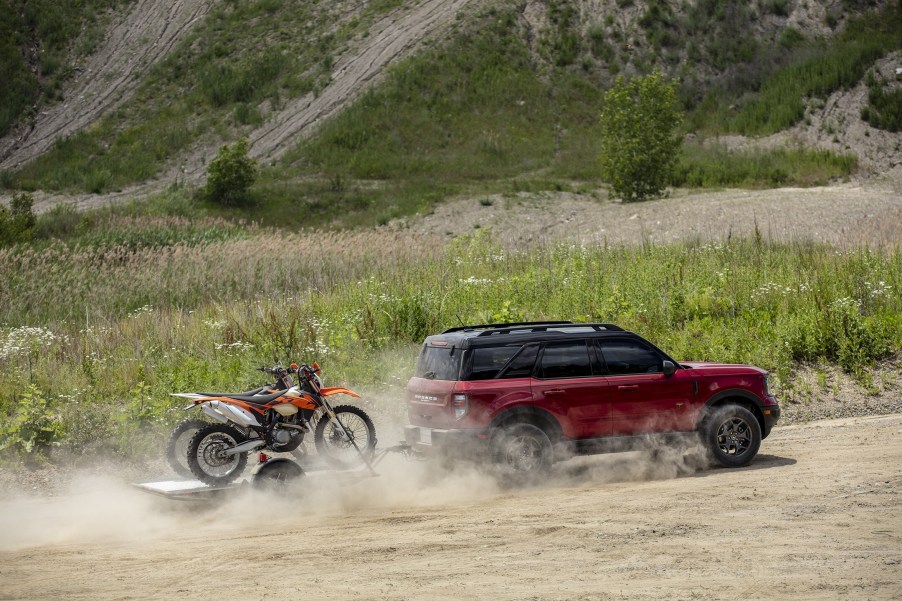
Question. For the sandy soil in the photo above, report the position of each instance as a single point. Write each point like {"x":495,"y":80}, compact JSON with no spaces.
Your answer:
{"x":844,"y":215}
{"x":818,"y":515}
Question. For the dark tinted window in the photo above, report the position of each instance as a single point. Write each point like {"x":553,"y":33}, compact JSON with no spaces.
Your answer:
{"x":566,"y":360}
{"x":521,"y":365}
{"x":439,"y":363}
{"x":629,"y":357}
{"x":486,"y":362}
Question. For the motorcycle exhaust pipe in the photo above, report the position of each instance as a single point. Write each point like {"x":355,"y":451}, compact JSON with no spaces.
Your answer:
{"x":245,"y":447}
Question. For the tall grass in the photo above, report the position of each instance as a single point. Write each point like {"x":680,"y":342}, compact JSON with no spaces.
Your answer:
{"x":121,"y":328}
{"x":713,"y":166}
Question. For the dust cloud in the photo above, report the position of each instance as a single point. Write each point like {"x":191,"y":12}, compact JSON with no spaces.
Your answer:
{"x":95,"y":509}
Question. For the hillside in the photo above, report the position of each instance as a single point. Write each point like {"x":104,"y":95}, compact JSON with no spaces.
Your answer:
{"x":459,"y":92}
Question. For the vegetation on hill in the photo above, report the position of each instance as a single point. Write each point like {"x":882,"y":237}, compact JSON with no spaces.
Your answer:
{"x":493,"y":106}
{"x":219,"y":83}
{"x":40,"y":43}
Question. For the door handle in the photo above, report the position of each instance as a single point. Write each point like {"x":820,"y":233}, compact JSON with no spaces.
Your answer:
{"x":630,"y":387}
{"x":553,"y":392}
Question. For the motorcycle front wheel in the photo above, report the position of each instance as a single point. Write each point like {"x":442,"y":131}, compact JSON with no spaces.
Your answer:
{"x":207,"y":458}
{"x":342,"y":451}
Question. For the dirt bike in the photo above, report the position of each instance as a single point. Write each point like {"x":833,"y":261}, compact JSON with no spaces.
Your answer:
{"x":273,"y":418}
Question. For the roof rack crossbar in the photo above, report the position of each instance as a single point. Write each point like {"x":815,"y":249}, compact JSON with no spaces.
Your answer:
{"x":487,"y":326}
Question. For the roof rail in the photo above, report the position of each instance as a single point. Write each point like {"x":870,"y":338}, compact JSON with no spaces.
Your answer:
{"x":486,"y":326}
{"x":546,"y":326}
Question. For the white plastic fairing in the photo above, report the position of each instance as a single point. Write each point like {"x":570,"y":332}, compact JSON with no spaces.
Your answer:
{"x":286,"y":409}
{"x":225,"y":412}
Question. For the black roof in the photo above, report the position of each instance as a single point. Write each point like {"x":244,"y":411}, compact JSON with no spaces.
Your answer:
{"x":481,"y":334}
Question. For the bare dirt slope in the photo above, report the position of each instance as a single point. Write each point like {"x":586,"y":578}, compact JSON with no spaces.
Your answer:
{"x":143,"y":37}
{"x":392,"y":37}
{"x":844,"y":215}
{"x":818,"y":515}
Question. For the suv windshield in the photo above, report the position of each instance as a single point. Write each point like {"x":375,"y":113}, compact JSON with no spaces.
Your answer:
{"x":439,"y":363}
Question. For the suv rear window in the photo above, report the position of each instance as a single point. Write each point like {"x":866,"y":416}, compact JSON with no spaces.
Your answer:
{"x":439,"y":363}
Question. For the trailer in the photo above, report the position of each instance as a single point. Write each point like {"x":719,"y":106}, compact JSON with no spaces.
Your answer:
{"x":270,"y":474}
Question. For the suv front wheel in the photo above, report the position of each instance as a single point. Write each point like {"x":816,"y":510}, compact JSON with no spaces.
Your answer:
{"x":732,"y":435}
{"x":523,"y":449}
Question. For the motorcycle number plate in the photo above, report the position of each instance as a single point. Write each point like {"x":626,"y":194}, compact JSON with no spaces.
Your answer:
{"x":426,"y":435}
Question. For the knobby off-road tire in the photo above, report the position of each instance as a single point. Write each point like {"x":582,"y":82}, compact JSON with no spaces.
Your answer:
{"x":205,"y":457}
{"x":522,"y":450}
{"x":277,"y":475}
{"x":177,"y":446}
{"x":334,"y":447}
{"x":732,"y":435}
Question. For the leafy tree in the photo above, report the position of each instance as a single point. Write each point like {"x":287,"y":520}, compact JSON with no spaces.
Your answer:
{"x":230,"y":175}
{"x":640,"y":143}
{"x":17,"y":222}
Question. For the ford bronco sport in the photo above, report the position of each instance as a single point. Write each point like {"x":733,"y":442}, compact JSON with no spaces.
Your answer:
{"x":530,"y":393}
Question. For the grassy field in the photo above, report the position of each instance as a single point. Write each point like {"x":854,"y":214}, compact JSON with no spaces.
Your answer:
{"x":98,"y":331}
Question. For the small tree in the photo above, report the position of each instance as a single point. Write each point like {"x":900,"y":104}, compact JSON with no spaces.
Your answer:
{"x":639,"y":140}
{"x":230,"y":175}
{"x":17,"y":223}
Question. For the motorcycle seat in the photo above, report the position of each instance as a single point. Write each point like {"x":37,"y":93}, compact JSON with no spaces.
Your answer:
{"x":255,"y":399}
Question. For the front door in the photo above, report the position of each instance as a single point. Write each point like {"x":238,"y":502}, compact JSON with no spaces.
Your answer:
{"x":643,"y":399}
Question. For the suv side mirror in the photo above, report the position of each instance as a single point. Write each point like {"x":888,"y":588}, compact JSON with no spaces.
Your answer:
{"x":669,"y":368}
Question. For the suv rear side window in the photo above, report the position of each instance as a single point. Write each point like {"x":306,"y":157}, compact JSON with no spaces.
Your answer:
{"x":565,"y":360}
{"x":629,"y":357}
{"x":439,"y":363}
{"x":487,"y":361}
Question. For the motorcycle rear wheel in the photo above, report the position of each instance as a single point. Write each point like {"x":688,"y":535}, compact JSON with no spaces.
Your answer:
{"x":206,"y":456}
{"x":177,"y":446}
{"x":335,"y":448}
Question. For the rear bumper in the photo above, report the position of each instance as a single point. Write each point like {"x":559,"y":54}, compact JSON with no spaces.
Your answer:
{"x":463,"y":443}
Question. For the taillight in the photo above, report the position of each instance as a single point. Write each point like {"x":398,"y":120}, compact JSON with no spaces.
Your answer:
{"x":460,"y":404}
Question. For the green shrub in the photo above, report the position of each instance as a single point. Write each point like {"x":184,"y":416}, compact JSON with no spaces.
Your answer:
{"x":230,"y":176}
{"x":17,"y":222}
{"x":639,"y":140}
{"x":34,"y":426}
{"x":884,"y":109}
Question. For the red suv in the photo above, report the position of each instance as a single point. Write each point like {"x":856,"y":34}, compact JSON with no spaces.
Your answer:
{"x":533,"y":392}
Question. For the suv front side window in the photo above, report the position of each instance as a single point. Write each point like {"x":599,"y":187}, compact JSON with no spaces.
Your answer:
{"x":624,"y":357}
{"x":565,"y":360}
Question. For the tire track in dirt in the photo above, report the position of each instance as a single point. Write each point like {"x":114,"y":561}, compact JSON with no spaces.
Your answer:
{"x":390,"y":38}
{"x":146,"y":35}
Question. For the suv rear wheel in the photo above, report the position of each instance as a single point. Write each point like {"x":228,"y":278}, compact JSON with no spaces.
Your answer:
{"x":523,"y":449}
{"x":732,"y":435}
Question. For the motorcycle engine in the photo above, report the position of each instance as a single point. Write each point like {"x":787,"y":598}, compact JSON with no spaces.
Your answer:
{"x":283,"y":439}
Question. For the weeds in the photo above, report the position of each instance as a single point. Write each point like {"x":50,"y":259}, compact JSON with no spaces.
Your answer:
{"x":127,"y":325}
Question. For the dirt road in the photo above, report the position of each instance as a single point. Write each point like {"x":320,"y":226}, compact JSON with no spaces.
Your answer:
{"x":818,"y":515}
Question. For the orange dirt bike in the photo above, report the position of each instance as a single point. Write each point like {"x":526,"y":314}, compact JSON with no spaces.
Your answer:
{"x":274,"y":418}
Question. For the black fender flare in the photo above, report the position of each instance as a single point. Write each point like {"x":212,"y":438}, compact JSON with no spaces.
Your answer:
{"x":747,"y":399}
{"x":540,"y":418}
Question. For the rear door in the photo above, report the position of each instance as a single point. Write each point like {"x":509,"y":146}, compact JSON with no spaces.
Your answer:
{"x":644,"y":399}
{"x":570,"y":385}
{"x":429,"y":391}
